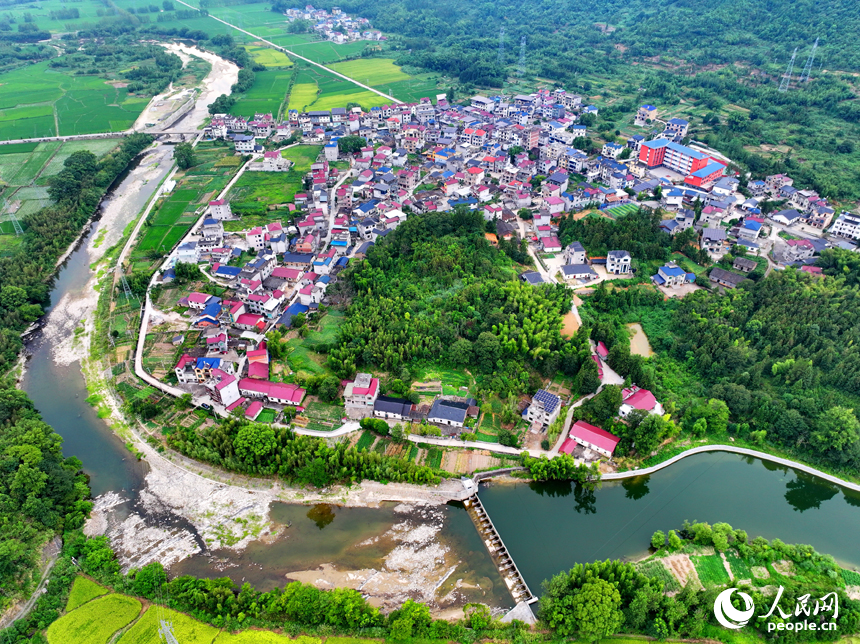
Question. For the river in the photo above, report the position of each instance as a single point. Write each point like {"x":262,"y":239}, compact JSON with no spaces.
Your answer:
{"x":549,"y":527}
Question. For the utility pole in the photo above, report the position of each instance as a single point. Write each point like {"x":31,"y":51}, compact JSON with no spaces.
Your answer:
{"x":804,"y":75}
{"x":522,"y":57}
{"x":783,"y":85}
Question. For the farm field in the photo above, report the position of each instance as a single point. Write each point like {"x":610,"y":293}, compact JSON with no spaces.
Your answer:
{"x":83,"y":590}
{"x":315,"y":89}
{"x":260,"y":637}
{"x":372,"y":71}
{"x":276,"y":187}
{"x":186,"y":629}
{"x":94,"y":622}
{"x":266,"y":95}
{"x":172,"y":218}
{"x":267,"y":56}
{"x":39,"y":102}
{"x":711,"y":570}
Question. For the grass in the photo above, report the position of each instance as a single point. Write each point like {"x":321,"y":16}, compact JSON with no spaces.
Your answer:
{"x":95,"y":622}
{"x":329,"y":326}
{"x":711,"y":570}
{"x":276,"y":187}
{"x":266,"y":416}
{"x":365,"y":441}
{"x":186,"y":629}
{"x":739,"y":567}
{"x":83,"y":590}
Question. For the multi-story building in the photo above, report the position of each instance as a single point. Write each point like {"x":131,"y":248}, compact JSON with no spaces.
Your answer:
{"x":674,"y":156}
{"x":362,"y":392}
{"x":544,"y":408}
{"x":618,"y":262}
{"x":846,"y":225}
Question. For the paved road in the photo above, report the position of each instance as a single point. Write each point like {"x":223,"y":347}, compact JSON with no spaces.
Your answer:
{"x":734,"y":450}
{"x":307,"y":60}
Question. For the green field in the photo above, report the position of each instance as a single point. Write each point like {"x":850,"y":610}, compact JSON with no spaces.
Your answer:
{"x":740,"y":568}
{"x":366,"y":440}
{"x":329,"y":326}
{"x":372,"y":71}
{"x":315,"y":89}
{"x":276,"y":187}
{"x":266,"y":94}
{"x":657,"y":570}
{"x":711,"y":570}
{"x":266,"y":416}
{"x":268,"y":57}
{"x":186,"y":629}
{"x":83,"y":590}
{"x":94,"y":622}
{"x":39,"y":101}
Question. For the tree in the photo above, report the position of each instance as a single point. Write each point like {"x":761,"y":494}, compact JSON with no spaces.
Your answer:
{"x":182,"y":402}
{"x":675,"y":542}
{"x":184,"y":155}
{"x":658,"y":540}
{"x":461,"y":352}
{"x":487,"y":350}
{"x":351,"y":144}
{"x":596,"y":610}
{"x":835,"y":429}
{"x":329,"y":388}
{"x":255,"y":440}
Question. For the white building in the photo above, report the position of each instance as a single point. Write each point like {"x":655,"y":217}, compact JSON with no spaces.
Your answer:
{"x":220,"y":209}
{"x":544,"y":408}
{"x":618,"y":262}
{"x":846,"y":225}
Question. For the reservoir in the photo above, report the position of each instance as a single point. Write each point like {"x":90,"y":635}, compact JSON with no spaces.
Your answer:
{"x":550,"y":527}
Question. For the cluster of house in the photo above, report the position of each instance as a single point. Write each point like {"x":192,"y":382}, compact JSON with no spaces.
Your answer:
{"x":335,"y":26}
{"x":578,"y":266}
{"x":449,"y":413}
{"x":233,"y":381}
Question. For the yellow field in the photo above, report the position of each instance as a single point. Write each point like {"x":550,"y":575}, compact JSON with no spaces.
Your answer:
{"x":365,"y":99}
{"x":259,"y":637}
{"x":186,"y":629}
{"x":94,"y":622}
{"x":83,"y":590}
{"x":372,"y":71}
{"x":268,"y":56}
{"x":303,"y":95}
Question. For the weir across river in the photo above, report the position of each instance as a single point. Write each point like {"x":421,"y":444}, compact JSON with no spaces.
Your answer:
{"x":501,"y":557}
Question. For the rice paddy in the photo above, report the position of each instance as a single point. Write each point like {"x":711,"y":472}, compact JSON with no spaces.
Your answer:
{"x":38,"y":101}
{"x":266,"y":95}
{"x":372,"y":71}
{"x":267,"y":56}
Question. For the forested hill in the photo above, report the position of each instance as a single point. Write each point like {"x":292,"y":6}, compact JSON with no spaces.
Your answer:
{"x":563,"y":38}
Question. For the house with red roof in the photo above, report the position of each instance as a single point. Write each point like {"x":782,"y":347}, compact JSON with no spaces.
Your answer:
{"x":274,"y":162}
{"x":223,"y":387}
{"x":198,"y":301}
{"x":602,"y":351}
{"x":599,"y":362}
{"x":276,"y":392}
{"x":550,"y":244}
{"x":258,"y":370}
{"x":250,"y":322}
{"x":361,"y":392}
{"x":184,"y":370}
{"x":590,"y":437}
{"x":253,"y":410}
{"x":636,"y":398}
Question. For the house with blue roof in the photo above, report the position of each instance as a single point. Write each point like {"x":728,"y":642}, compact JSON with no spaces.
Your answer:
{"x":750,"y":230}
{"x":227,"y":272}
{"x":293,"y":310}
{"x":672,"y":275}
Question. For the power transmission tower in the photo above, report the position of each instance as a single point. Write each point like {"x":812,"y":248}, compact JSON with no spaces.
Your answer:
{"x":783,"y":85}
{"x":522,"y":56}
{"x":804,"y":75}
{"x":126,"y":288}
{"x":16,"y":225}
{"x":501,"y":57}
{"x":165,"y":632}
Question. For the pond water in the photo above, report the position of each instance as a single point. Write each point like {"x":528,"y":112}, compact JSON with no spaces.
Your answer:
{"x":549,"y":527}
{"x":639,"y":344}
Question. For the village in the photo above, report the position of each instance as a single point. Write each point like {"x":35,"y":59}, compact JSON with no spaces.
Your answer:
{"x":512,"y":160}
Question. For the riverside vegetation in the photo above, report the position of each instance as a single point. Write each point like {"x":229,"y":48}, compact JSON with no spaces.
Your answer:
{"x":42,"y":493}
{"x":590,"y":602}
